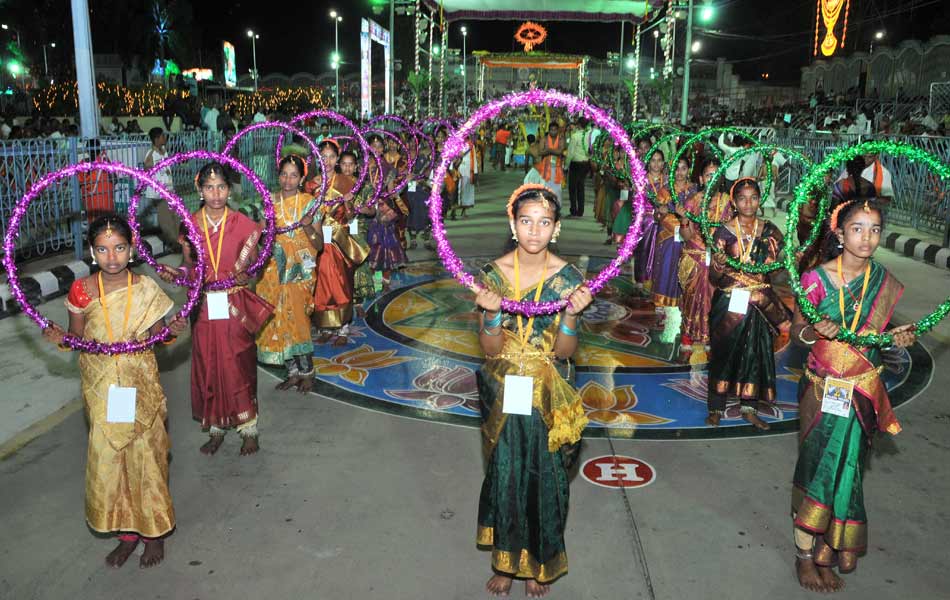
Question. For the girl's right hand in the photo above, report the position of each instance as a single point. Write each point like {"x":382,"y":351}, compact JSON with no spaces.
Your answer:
{"x":488,"y":300}
{"x":827,"y":328}
{"x":54,"y":334}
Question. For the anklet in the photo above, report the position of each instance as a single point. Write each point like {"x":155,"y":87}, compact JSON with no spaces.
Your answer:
{"x":804,"y":554}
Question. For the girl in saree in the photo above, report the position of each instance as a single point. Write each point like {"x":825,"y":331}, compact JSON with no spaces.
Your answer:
{"x":289,"y":279}
{"x":342,"y":253}
{"x":851,"y":291}
{"x":693,"y":272}
{"x":126,"y":462}
{"x":669,"y":246}
{"x":746,"y":313}
{"x":644,"y":252}
{"x":225,"y":324}
{"x":528,"y":449}
{"x":386,"y":253}
{"x":363,"y":275}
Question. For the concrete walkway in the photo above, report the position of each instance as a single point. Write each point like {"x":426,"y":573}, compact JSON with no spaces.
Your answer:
{"x":347,"y":503}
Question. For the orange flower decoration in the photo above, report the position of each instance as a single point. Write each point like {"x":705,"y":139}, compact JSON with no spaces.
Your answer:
{"x":354,"y":365}
{"x":611,"y":407}
{"x":530,"y":35}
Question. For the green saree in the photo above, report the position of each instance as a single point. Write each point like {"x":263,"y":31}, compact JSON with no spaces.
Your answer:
{"x":522,"y":510}
{"x":742,"y":361}
{"x":828,"y":494}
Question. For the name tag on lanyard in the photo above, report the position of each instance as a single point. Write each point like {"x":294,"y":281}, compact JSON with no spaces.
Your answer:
{"x":355,"y":224}
{"x":519,"y":391}
{"x":307,"y":261}
{"x":676,"y":235}
{"x":217,"y":306}
{"x":739,"y":301}
{"x":708,"y":256}
{"x":412,"y":186}
{"x":120,"y":405}
{"x":837,"y":397}
{"x":327,"y":234}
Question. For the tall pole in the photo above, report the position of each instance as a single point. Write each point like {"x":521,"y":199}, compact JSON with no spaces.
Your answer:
{"x":85,"y":74}
{"x":253,"y":36}
{"x":619,"y":72}
{"x":464,"y":75}
{"x":687,"y":52}
{"x":336,"y":46}
{"x":392,"y":57}
{"x":636,"y":77}
{"x":45,"y":63}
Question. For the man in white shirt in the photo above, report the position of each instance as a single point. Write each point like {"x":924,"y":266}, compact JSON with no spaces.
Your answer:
{"x":578,"y":166}
{"x":747,"y":166}
{"x":211,"y":119}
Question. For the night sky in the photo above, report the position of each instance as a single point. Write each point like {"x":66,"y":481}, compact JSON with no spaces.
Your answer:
{"x":760,"y":35}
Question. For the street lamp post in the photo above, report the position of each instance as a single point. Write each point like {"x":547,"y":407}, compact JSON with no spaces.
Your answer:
{"x":45,"y":63}
{"x":878,"y":35}
{"x":336,"y":55}
{"x":254,"y":36}
{"x":464,"y":74}
{"x":16,"y":31}
{"x":656,"y":36}
{"x":687,"y":53}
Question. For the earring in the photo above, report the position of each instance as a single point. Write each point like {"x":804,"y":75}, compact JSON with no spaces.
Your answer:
{"x":514,"y":236}
{"x":840,"y":246}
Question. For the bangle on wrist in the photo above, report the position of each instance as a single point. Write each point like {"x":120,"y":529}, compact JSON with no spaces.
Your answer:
{"x":568,"y":331}
{"x":802,"y":339}
{"x":491,"y":322}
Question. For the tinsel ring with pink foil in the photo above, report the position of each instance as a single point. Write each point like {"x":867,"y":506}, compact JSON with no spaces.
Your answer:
{"x":314,"y":150}
{"x":267,"y":204}
{"x":456,"y":144}
{"x":13,"y":278}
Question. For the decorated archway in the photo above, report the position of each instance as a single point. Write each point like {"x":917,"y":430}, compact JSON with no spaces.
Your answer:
{"x":527,"y":65}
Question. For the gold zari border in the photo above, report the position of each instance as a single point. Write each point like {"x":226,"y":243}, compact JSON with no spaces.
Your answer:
{"x":522,"y":565}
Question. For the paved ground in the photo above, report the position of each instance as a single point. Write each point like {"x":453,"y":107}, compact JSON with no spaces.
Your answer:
{"x":348,"y":503}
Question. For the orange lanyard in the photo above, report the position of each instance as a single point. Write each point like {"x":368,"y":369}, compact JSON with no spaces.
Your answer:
{"x":858,"y":304}
{"x":537,"y":296}
{"x":105,"y":312}
{"x":745,"y":253}
{"x":214,"y":257}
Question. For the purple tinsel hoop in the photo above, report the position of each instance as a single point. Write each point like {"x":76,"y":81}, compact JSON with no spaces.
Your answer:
{"x":13,"y":279}
{"x":324,"y":180}
{"x":405,"y":152}
{"x":329,"y":114}
{"x":407,"y":127}
{"x":378,"y":185}
{"x":437,"y":122}
{"x":267,"y":204}
{"x":456,"y":144}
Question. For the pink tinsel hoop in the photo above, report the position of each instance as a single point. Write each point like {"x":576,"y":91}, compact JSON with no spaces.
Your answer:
{"x":455,"y":145}
{"x":13,"y":278}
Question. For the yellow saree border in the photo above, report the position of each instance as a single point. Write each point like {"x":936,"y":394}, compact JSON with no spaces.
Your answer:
{"x":521,"y":564}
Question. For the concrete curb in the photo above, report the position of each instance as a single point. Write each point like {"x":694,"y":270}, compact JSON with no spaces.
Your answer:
{"x":906,"y":245}
{"x":44,"y":285}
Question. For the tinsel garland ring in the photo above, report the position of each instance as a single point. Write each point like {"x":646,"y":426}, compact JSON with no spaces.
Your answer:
{"x":314,"y":150}
{"x":77,"y":342}
{"x":814,"y":182}
{"x":456,"y":144}
{"x":266,"y":203}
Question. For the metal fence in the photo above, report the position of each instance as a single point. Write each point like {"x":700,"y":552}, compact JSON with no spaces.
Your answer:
{"x":56,"y":220}
{"x":921,"y":200}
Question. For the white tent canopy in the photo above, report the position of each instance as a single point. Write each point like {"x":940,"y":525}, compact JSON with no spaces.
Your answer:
{"x":547,"y":10}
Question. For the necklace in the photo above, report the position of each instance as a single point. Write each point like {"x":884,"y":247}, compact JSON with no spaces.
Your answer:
{"x":283,"y":210}
{"x":745,"y":252}
{"x":215,"y":225}
{"x":858,"y":302}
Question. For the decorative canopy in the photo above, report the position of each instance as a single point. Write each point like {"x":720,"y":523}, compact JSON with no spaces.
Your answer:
{"x":547,"y":10}
{"x":535,"y":60}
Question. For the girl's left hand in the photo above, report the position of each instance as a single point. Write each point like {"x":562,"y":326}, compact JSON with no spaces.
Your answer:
{"x":579,"y":300}
{"x":241,"y":278}
{"x":177,"y":325}
{"x":904,"y":335}
{"x":54,"y":333}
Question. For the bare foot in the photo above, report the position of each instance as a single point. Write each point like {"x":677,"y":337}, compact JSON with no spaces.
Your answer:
{"x":288,"y":383}
{"x":755,"y":420}
{"x":713,"y":419}
{"x":249,"y":446}
{"x":323,"y":338}
{"x":808,"y":576}
{"x":305,"y":384}
{"x":153,"y":555}
{"x":499,"y":585}
{"x":533,"y":589}
{"x":212,"y":445}
{"x":117,"y":557}
{"x":830,"y":579}
{"x":341,"y":340}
